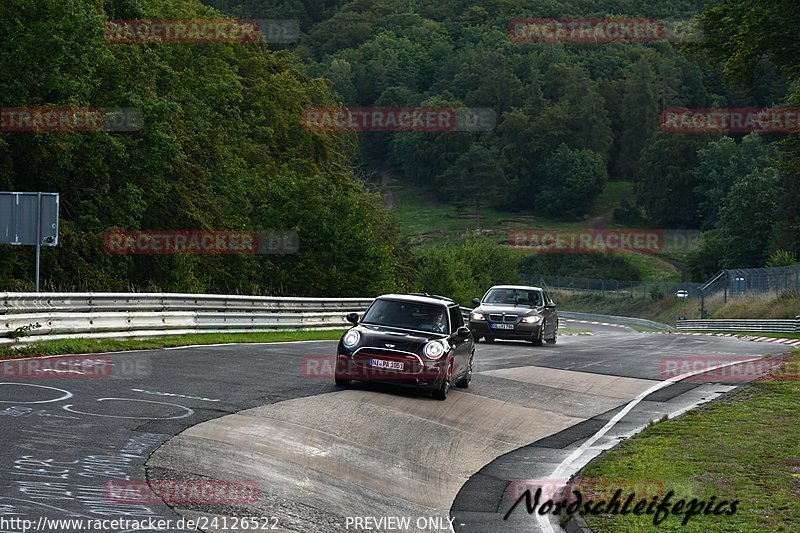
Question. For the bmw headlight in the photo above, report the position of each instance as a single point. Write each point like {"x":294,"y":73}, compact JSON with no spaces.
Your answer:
{"x":533,"y":319}
{"x":477,"y":316}
{"x":434,"y":350}
{"x":351,"y":338}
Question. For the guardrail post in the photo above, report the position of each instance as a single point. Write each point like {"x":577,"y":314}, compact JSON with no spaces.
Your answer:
{"x":702,"y":305}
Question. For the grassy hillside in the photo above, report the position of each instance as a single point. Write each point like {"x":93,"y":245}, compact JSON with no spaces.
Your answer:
{"x":426,"y":220}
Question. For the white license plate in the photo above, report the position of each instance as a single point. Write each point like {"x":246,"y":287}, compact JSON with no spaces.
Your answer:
{"x":380,"y":363}
{"x":502,"y":326}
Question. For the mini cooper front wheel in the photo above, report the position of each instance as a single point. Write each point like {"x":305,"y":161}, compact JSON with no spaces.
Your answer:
{"x":444,"y":385}
{"x":463,"y":383}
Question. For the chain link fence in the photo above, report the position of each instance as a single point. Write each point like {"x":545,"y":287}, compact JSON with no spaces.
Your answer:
{"x":741,"y":282}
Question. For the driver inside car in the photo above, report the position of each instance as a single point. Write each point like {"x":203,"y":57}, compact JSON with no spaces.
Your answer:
{"x":437,"y":323}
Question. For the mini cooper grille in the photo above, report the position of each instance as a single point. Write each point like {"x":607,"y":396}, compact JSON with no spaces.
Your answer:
{"x":502,"y":318}
{"x":412,"y":363}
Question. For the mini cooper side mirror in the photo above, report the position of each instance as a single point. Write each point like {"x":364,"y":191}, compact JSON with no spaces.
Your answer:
{"x":476,"y":301}
{"x":352,"y":318}
{"x":462,"y":333}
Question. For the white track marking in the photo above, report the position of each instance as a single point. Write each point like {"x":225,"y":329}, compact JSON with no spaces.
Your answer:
{"x":67,"y":395}
{"x":189,"y":412}
{"x":570,"y":463}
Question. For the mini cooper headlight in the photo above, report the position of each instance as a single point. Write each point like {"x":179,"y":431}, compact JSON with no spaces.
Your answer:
{"x":351,"y":338}
{"x":533,"y":319}
{"x":477,"y":316}
{"x":434,"y":350}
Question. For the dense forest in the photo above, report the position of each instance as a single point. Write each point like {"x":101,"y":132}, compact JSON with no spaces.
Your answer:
{"x":222,"y":145}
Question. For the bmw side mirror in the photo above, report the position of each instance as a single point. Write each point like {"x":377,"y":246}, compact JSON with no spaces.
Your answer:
{"x":550,"y":306}
{"x":352,"y":318}
{"x":476,"y":301}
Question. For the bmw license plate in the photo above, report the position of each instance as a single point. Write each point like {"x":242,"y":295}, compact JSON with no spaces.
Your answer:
{"x":380,"y":363}
{"x":502,"y":326}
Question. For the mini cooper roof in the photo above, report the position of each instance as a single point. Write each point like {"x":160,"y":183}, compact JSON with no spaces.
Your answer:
{"x":419,"y":297}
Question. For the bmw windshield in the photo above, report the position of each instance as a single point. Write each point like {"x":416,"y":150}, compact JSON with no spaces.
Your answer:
{"x":514,"y":297}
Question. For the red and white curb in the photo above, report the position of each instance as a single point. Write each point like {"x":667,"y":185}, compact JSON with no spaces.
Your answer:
{"x":773,"y":340}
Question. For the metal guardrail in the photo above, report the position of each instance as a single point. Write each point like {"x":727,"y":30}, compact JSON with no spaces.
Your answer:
{"x":32,"y":302}
{"x":615,"y":320}
{"x":27,"y":317}
{"x":779,"y":326}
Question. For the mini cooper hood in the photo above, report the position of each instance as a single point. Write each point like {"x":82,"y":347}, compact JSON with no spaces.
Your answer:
{"x":375,"y":336}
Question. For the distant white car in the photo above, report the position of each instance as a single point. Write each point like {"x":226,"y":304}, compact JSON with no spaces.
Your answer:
{"x":682,"y":294}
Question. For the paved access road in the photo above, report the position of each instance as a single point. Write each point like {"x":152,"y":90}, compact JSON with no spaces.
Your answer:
{"x":267,"y":414}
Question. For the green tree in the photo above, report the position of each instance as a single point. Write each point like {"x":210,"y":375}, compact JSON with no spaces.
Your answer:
{"x":747,"y":217}
{"x":570,"y":181}
{"x":464,"y":270}
{"x":475,"y":179}
{"x":639,"y":118}
{"x":721,"y":164}
{"x":221,"y":147}
{"x":747,"y":37}
{"x":667,"y":181}
{"x":586,"y":118}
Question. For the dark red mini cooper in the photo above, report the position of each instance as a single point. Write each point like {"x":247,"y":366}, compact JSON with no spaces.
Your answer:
{"x":408,"y":339}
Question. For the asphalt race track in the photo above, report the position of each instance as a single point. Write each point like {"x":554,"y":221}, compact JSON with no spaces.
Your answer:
{"x":270,"y":414}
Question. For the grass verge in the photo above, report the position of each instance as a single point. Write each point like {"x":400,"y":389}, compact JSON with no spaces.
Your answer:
{"x":668,"y":309}
{"x":665,"y":311}
{"x":776,"y":335}
{"x":741,"y":447}
{"x":81,"y":346}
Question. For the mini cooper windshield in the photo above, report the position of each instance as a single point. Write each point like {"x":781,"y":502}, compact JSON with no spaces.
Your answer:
{"x":407,"y":315}
{"x":513,"y":297}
